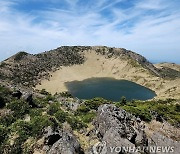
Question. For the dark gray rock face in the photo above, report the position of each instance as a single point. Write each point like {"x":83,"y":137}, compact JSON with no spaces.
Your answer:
{"x":116,"y":129}
{"x":164,"y":143}
{"x":28,"y":97}
{"x":120,"y":132}
{"x":61,"y":142}
{"x":17,"y":94}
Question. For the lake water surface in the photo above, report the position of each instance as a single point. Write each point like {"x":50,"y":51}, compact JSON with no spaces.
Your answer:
{"x":108,"y":88}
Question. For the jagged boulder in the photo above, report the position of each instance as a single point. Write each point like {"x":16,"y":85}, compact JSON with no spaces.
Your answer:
{"x":116,"y":129}
{"x":61,"y":142}
{"x":17,"y":94}
{"x":28,"y":97}
{"x":120,"y":132}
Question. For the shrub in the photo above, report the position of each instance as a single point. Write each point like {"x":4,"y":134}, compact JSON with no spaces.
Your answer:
{"x":94,"y":103}
{"x":165,"y":109}
{"x":5,"y":96}
{"x":20,"y":55}
{"x":61,"y":116}
{"x":144,"y":114}
{"x":83,"y":109}
{"x":66,"y":94}
{"x":3,"y":133}
{"x":23,"y":129}
{"x":5,"y":91}
{"x":44,"y":92}
{"x":3,"y":64}
{"x":41,"y":102}
{"x":38,"y":123}
{"x":53,"y":108}
{"x":35,"y":112}
{"x":123,"y":100}
{"x":75,"y":123}
{"x":175,"y":119}
{"x":177,"y":108}
{"x":19,"y":107}
{"x":162,"y":108}
{"x":16,"y":148}
{"x":2,"y":102}
{"x":49,"y":98}
{"x":88,"y":117}
{"x":7,"y":120}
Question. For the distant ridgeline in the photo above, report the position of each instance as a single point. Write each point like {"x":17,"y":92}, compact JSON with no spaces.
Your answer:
{"x":28,"y":69}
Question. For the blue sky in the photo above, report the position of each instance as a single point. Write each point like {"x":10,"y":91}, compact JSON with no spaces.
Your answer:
{"x":148,"y":27}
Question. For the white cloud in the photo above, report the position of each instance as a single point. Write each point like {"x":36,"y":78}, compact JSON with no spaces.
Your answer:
{"x":151,"y":4}
{"x":132,"y":28}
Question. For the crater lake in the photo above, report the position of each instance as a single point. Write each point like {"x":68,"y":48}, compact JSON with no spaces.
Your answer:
{"x":108,"y":88}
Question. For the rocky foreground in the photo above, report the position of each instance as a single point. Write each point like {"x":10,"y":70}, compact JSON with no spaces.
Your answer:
{"x":40,"y":123}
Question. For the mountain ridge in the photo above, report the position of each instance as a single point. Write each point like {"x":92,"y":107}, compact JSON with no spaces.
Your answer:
{"x":20,"y":56}
{"x":30,"y":70}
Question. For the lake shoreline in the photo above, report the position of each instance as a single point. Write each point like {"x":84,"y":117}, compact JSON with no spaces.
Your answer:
{"x":97,"y":66}
{"x":109,"y":89}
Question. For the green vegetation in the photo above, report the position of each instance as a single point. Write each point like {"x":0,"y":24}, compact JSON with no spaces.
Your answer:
{"x":160,"y":109}
{"x":20,"y":55}
{"x":133,"y":62}
{"x":35,"y":112}
{"x":20,"y":122}
{"x":94,"y":103}
{"x":3,"y":64}
{"x":3,"y":133}
{"x":88,"y":117}
{"x":85,"y":113}
{"x":19,"y":108}
{"x":27,"y":70}
{"x":53,"y":108}
{"x":38,"y":123}
{"x":22,"y":128}
{"x":83,"y":109}
{"x":169,"y":73}
{"x":142,"y":113}
{"x":2,"y":102}
{"x":44,"y":92}
{"x":177,"y":108}
{"x":61,"y":116}
{"x":7,"y":120}
{"x":123,"y":100}
{"x":4,"y":93}
{"x":75,"y":123}
{"x":49,"y":97}
{"x":66,"y":94}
